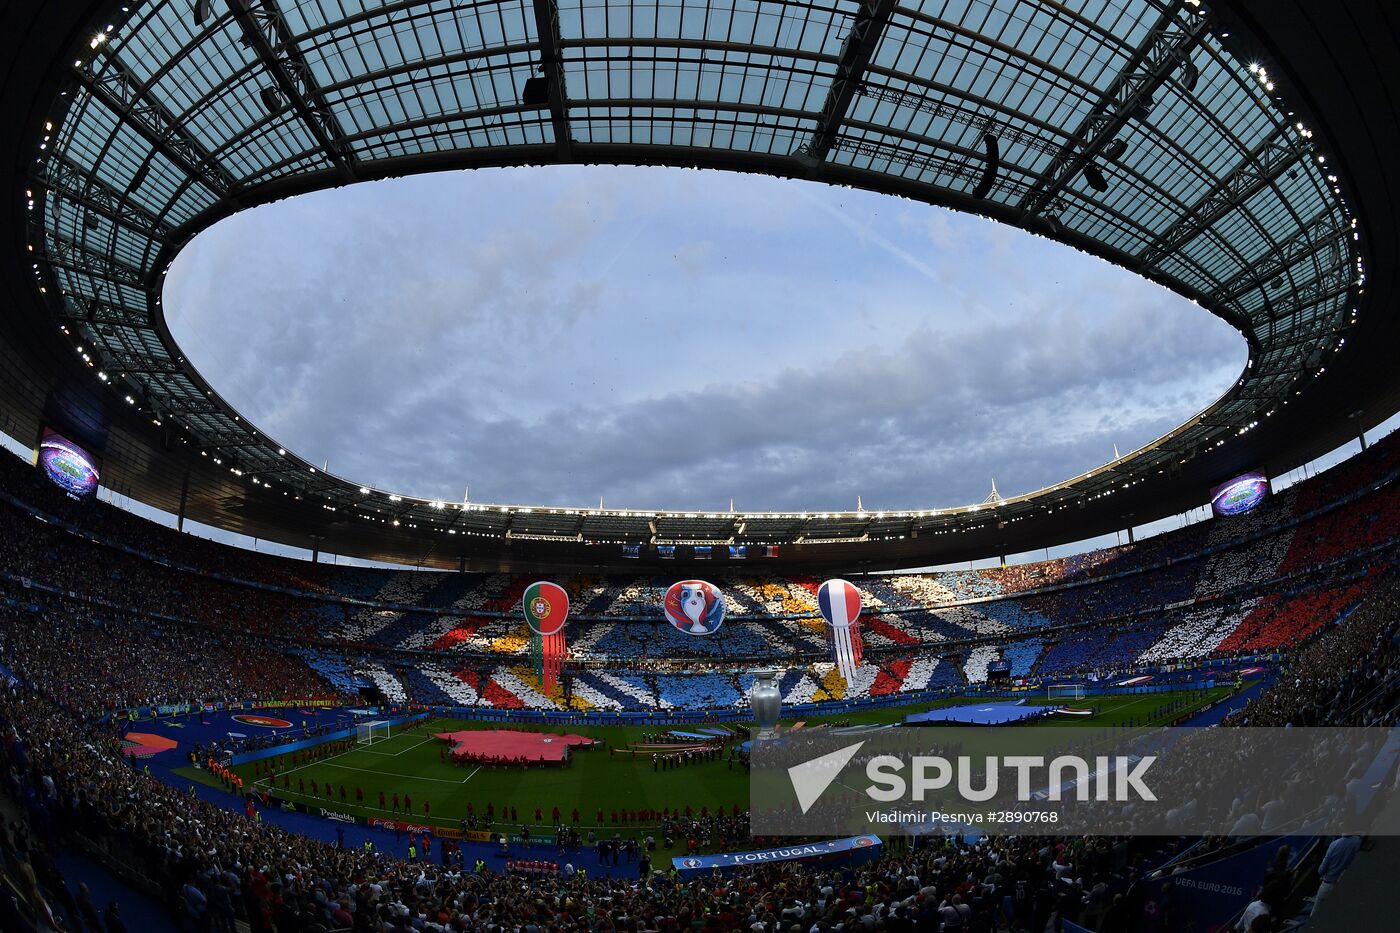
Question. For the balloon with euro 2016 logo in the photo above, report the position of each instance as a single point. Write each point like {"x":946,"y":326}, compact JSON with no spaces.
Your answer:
{"x":695,"y":607}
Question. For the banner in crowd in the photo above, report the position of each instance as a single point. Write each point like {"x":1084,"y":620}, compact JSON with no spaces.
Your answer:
{"x":856,"y":848}
{"x":695,"y":607}
{"x":546,"y":608}
{"x":176,"y":709}
{"x":1208,"y":897}
{"x":279,"y":704}
{"x":444,"y":832}
{"x":546,"y":839}
{"x":399,"y":825}
{"x":839,"y":602}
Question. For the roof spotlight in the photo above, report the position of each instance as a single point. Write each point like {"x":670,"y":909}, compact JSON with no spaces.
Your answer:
{"x":1095,"y":177}
{"x":271,"y":99}
{"x":1114,"y":150}
{"x":536,"y":92}
{"x":989,"y":171}
{"x":1190,"y":74}
{"x":1143,"y":110}
{"x":202,"y":9}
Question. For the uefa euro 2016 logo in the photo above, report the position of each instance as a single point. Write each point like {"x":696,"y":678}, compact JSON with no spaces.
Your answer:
{"x":695,"y":607}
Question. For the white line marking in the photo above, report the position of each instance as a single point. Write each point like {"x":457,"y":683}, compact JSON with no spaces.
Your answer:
{"x":397,"y":753}
{"x":406,"y":777}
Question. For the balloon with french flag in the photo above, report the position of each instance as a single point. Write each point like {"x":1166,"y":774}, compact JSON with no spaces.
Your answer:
{"x":839,"y":603}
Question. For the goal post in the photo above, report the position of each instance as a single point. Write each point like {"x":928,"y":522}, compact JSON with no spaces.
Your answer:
{"x":367,"y":733}
{"x":1065,"y":692}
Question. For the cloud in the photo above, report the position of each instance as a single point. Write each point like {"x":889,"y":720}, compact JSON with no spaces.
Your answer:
{"x":674,"y":339}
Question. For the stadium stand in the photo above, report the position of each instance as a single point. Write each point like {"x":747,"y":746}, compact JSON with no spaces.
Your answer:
{"x":65,"y":775}
{"x":94,"y":617}
{"x":1259,"y":583}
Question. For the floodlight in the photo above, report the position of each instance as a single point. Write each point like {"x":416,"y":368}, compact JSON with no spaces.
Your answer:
{"x":1190,"y":74}
{"x":535,"y":92}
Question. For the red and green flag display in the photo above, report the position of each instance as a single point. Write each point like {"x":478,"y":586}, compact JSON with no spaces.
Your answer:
{"x":546,"y":607}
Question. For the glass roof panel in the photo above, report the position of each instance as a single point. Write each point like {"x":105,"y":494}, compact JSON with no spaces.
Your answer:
{"x":693,"y":80}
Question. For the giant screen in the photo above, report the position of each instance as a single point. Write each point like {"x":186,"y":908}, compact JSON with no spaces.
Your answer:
{"x":1240,"y":494}
{"x":67,"y":465}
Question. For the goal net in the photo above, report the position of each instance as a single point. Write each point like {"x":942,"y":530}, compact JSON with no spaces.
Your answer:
{"x":367,"y":733}
{"x":1066,"y":692}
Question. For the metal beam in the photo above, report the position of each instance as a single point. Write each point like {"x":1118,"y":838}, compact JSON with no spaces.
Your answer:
{"x":1324,"y":230}
{"x":95,"y":311}
{"x":266,"y":31}
{"x":195,"y":406}
{"x":70,"y":181}
{"x":953,"y":113}
{"x":1130,"y":95}
{"x":1276,"y":154}
{"x":867,"y":26}
{"x":227,"y":439}
{"x":121,"y":362}
{"x":552,"y":66}
{"x":58,"y":250}
{"x":955,"y":168}
{"x":106,"y":78}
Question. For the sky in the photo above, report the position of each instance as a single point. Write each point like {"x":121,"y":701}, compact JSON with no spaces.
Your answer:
{"x":676,"y":339}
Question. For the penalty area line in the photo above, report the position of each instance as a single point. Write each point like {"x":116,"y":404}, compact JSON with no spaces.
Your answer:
{"x":396,"y":754}
{"x":406,"y":777}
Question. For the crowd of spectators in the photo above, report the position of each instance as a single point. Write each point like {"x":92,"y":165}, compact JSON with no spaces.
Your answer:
{"x":216,"y":866}
{"x":64,"y":766}
{"x":1349,"y":675}
{"x":96,"y":662}
{"x":48,"y":553}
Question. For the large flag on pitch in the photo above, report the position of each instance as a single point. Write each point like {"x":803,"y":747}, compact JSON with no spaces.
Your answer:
{"x":546,"y":608}
{"x":839,"y":603}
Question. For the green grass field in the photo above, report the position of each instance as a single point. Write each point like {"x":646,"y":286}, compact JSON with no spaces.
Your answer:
{"x":410,"y":763}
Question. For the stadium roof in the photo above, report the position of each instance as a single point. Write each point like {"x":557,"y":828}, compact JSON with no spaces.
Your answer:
{"x":1211,"y":147}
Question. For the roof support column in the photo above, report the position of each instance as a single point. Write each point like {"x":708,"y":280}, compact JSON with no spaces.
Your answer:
{"x":867,"y":27}
{"x":552,"y":67}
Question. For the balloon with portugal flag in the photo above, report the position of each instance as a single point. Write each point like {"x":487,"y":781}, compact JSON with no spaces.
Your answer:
{"x":546,"y":607}
{"x":839,"y":602}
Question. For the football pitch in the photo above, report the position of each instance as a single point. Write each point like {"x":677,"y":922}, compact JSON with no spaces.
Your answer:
{"x":607,"y":777}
